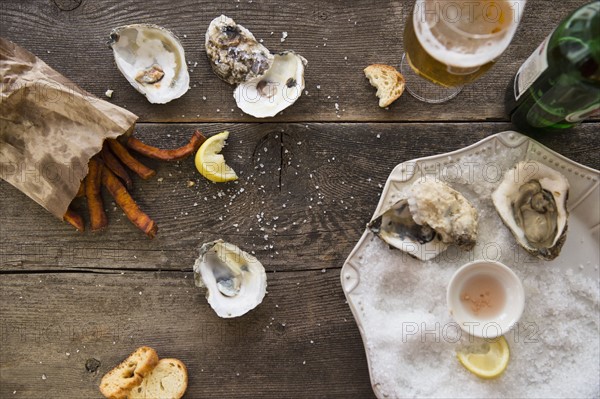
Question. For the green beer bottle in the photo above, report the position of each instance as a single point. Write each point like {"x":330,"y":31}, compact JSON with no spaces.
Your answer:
{"x":558,"y":86}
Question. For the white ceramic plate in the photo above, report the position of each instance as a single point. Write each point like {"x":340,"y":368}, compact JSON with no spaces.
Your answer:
{"x":380,"y":283}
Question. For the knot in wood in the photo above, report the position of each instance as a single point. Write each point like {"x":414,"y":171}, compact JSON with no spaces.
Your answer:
{"x":67,"y":5}
{"x":92,"y":365}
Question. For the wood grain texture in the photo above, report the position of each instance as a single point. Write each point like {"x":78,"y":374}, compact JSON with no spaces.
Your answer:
{"x":300,"y":342}
{"x":339,"y":39}
{"x":305,"y":193}
{"x":309,"y":183}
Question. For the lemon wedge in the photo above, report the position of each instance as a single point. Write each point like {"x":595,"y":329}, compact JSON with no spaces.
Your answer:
{"x":211,"y":163}
{"x":484,"y":358}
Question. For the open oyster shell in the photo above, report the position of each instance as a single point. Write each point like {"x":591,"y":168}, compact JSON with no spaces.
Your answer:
{"x":236,"y":281}
{"x":430,"y":218}
{"x":532,"y":202}
{"x":274,"y":91}
{"x":153,"y":61}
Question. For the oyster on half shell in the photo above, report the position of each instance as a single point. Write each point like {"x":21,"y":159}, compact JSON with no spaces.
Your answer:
{"x":532,"y":202}
{"x":236,"y":281}
{"x":431,"y":217}
{"x":153,"y":61}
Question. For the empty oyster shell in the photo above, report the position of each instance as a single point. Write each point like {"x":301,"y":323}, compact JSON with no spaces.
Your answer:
{"x":532,"y":202}
{"x":152,"y":59}
{"x":274,"y":91}
{"x":236,"y":281}
{"x":234,"y":53}
{"x":428,"y":220}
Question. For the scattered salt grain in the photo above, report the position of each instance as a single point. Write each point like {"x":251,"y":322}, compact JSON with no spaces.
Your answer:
{"x":108,"y":93}
{"x":284,"y":35}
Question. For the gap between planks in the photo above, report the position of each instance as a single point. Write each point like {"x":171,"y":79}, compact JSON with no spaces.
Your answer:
{"x":329,"y":122}
{"x":118,"y":271}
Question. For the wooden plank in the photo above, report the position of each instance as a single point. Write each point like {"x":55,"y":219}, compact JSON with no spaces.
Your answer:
{"x":300,"y":342}
{"x":305,"y":194}
{"x":339,"y":39}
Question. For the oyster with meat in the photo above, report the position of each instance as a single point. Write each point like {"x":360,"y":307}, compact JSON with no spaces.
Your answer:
{"x":532,"y":202}
{"x":152,"y":60}
{"x":430,"y":217}
{"x":235,"y":281}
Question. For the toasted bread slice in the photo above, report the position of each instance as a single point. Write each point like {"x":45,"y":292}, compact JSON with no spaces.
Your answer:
{"x":168,"y":380}
{"x":118,"y":382}
{"x":388,"y":81}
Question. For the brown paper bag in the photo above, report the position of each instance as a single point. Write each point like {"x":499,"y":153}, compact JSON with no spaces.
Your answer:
{"x":49,"y":128}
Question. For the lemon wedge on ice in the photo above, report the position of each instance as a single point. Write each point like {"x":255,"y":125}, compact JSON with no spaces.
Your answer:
{"x":484,"y":358}
{"x":211,"y":163}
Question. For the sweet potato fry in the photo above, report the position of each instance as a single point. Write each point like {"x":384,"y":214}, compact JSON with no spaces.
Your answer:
{"x":74,"y":219}
{"x":115,"y":166}
{"x":93,"y":181}
{"x":167,"y":155}
{"x":127,"y":204}
{"x":121,"y":152}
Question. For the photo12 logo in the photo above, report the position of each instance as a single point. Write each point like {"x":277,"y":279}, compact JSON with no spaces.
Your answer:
{"x":472,"y":12}
{"x":464,"y":171}
{"x":526,"y":332}
{"x":48,"y":170}
{"x":46,"y":92}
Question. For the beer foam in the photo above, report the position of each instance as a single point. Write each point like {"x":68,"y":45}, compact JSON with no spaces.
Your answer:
{"x":438,"y":26}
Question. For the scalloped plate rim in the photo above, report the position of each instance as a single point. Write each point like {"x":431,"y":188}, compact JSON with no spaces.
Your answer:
{"x":503,"y":137}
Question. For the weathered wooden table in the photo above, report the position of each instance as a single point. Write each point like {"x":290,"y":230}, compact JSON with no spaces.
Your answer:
{"x":311,"y":178}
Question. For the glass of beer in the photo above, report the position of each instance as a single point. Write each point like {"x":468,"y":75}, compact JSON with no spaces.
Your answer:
{"x":452,"y":43}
